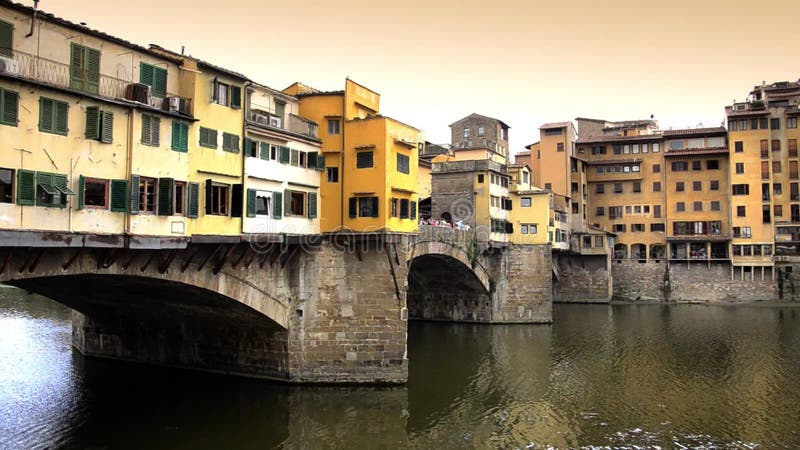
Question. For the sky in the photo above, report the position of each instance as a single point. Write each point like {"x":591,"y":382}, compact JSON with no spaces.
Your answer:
{"x":523,"y":62}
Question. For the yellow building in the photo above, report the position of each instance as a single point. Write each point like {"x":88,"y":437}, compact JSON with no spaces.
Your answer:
{"x":371,"y":161}
{"x":530,"y":207}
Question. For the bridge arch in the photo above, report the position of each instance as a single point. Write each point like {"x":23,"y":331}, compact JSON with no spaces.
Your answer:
{"x":446,"y":251}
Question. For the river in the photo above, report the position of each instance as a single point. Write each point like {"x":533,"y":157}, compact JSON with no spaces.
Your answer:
{"x":624,"y":376}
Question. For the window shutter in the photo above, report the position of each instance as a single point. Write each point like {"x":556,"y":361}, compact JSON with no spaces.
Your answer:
{"x":320,"y":161}
{"x":6,"y":38}
{"x":374,"y":206}
{"x":287,"y":202}
{"x":209,"y":195}
{"x":226,"y":141}
{"x":45,"y":114}
{"x":166,"y":188}
{"x":134,"y":194}
{"x":147,"y":129}
{"x":353,"y":207}
{"x":176,"y":135}
{"x":146,"y":73}
{"x":119,"y":195}
{"x":155,"y":136}
{"x":214,"y":90}
{"x":61,"y":118}
{"x":76,"y":64}
{"x":413,"y":210}
{"x":237,"y":200}
{"x":184,"y":144}
{"x":311,"y":160}
{"x":277,"y":205}
{"x":248,"y":150}
{"x":194,"y":200}
{"x":92,"y":70}
{"x":235,"y":143}
{"x":284,"y":155}
{"x":159,"y":82}
{"x":26,"y":187}
{"x":107,"y":127}
{"x":404,"y":208}
{"x":264,"y":151}
{"x":81,"y":186}
{"x":251,"y":203}
{"x":236,"y":97}
{"x":92,"y":122}
{"x":312,"y":205}
{"x":10,"y":110}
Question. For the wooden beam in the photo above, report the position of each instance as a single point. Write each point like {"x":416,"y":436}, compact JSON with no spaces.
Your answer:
{"x":27,"y":260}
{"x":287,"y":256}
{"x":188,"y":260}
{"x":127,"y":263}
{"x":207,"y":258}
{"x":167,"y":261}
{"x":35,"y":262}
{"x":221,"y":262}
{"x":267,"y":254}
{"x":149,"y":260}
{"x":9,"y":252}
{"x":245,"y":252}
{"x":111,"y":257}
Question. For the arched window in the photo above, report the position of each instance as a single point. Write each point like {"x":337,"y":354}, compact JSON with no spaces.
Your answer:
{"x":639,"y":251}
{"x":656,"y":251}
{"x":620,"y":251}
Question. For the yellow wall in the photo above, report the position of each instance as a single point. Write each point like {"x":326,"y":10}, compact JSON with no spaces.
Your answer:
{"x":360,"y":102}
{"x":538,"y":213}
{"x":554,"y":165}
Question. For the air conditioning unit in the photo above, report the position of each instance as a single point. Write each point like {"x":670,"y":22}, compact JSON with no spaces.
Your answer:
{"x":138,"y":92}
{"x":275,"y":122}
{"x":8,"y":65}
{"x":176,"y":104}
{"x":261,"y":119}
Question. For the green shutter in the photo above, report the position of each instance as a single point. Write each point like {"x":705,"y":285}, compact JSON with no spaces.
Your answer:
{"x":353,"y":207}
{"x":176,"y":135}
{"x":155,"y":132}
{"x":26,"y":187}
{"x":413,"y":210}
{"x":184,"y":143}
{"x":6,"y":39}
{"x":251,"y":203}
{"x":134,"y":197}
{"x":311,"y":160}
{"x":277,"y":205}
{"x":81,"y":188}
{"x":284,"y":156}
{"x":247,"y":150}
{"x":45,"y":114}
{"x":264,"y":151}
{"x":107,"y":127}
{"x":147,"y":130}
{"x":209,"y":195}
{"x":194,"y":200}
{"x":226,"y":141}
{"x":61,"y":117}
{"x":92,"y":122}
{"x":92,"y":71}
{"x":146,"y":73}
{"x":287,"y":202}
{"x":236,"y":97}
{"x":159,"y":82}
{"x":76,"y":64}
{"x":119,"y":195}
{"x":235,"y":143}
{"x":374,"y":206}
{"x":9,"y":107}
{"x":312,"y":205}
{"x":166,"y":189}
{"x":321,"y":161}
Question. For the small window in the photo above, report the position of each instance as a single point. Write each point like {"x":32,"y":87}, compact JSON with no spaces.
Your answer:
{"x":9,"y":106}
{"x":679,"y":186}
{"x":560,"y":147}
{"x":180,"y":137}
{"x":481,"y":130}
{"x":298,"y":202}
{"x":680,"y":207}
{"x":99,"y":125}
{"x":775,"y":124}
{"x":155,"y":77}
{"x":697,"y":165}
{"x":230,"y":142}
{"x":656,"y":186}
{"x":698,"y":206}
{"x":525,"y":202}
{"x":333,"y":174}
{"x":697,"y":186}
{"x":221,"y":93}
{"x":738,"y":147}
{"x":364,"y":160}
{"x":95,"y":193}
{"x":6,"y":185}
{"x":179,"y":199}
{"x":333,"y":126}
{"x":151,"y":130}
{"x":739,"y":168}
{"x":656,"y":168}
{"x":219,"y":196}
{"x":712,"y":164}
{"x":403,"y":163}
{"x":263,"y":203}
{"x":715,"y":206}
{"x":147,"y":195}
{"x":741,"y":211}
{"x":208,"y":137}
{"x":53,"y":116}
{"x":480,"y":178}
{"x":6,"y":39}
{"x":714,"y":185}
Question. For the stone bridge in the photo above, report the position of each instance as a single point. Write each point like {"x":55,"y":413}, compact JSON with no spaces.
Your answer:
{"x":322,"y":309}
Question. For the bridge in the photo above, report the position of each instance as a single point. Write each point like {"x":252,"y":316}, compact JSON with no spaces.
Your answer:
{"x":306,"y":309}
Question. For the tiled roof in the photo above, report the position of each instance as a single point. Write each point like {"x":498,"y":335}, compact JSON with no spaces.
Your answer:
{"x":482,"y":117}
{"x":695,"y":131}
{"x":603,"y":162}
{"x":697,"y":151}
{"x":639,"y":138}
{"x":555,"y":125}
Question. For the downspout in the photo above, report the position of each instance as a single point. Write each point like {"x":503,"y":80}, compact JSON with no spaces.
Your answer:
{"x":245,"y":108}
{"x":341,"y":162}
{"x":129,"y":169}
{"x":33,"y":18}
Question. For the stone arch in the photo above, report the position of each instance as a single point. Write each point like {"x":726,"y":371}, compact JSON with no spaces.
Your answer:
{"x":455,"y":255}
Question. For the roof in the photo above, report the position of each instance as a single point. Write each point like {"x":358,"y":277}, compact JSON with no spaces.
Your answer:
{"x":481,"y":117}
{"x":555,"y":125}
{"x":586,"y":119}
{"x":605,"y":138}
{"x":697,"y":151}
{"x":379,"y":116}
{"x":319,"y":93}
{"x":161,"y":50}
{"x":695,"y":132}
{"x":603,"y":162}
{"x":529,"y":147}
{"x":84,"y":29}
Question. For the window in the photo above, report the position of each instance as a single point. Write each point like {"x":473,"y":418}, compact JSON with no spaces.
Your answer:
{"x":656,"y":168}
{"x":791,"y":122}
{"x":714,"y":185}
{"x":6,"y":39}
{"x":151,"y":130}
{"x":792,"y":144}
{"x":794,"y":192}
{"x":764,"y":148}
{"x":50,"y":188}
{"x":179,"y":198}
{"x":766,"y":217}
{"x":712,"y":164}
{"x":778,"y":210}
{"x":656,"y":147}
{"x":741,"y":189}
{"x":765,"y":169}
{"x":635,"y":148}
{"x":404,"y":213}
{"x":529,"y":228}
{"x":217,"y":198}
{"x":560,"y":147}
{"x":363,"y":160}
{"x":263,"y":203}
{"x":155,"y":77}
{"x":739,"y":168}
{"x":656,"y":186}
{"x":680,"y":166}
{"x":147,"y":195}
{"x":741,"y":211}
{"x":180,"y":137}
{"x":793,"y":170}
{"x":697,"y":165}
{"x":297,"y":203}
{"x":626,"y":149}
{"x":9,"y":104}
{"x":230,"y":142}
{"x":776,"y":167}
{"x":600,"y":188}
{"x":657,"y":211}
{"x":6,"y":183}
{"x":295,"y":157}
{"x":777,"y":189}
{"x":697,"y":186}
{"x":481,"y":130}
{"x":637,"y":227}
{"x":402,"y":163}
{"x":94,"y":193}
{"x":657,"y":227}
{"x":680,"y":207}
{"x":697,"y":206}
{"x":548,"y":186}
{"x":763,"y":123}
{"x":679,"y":187}
{"x":715,"y":205}
{"x":466,"y":133}
{"x":776,"y":145}
{"x":480,"y":178}
{"x":333,"y":126}
{"x":600,"y":211}
{"x":775,"y":124}
{"x":99,"y":125}
{"x":617,"y":188}
{"x":738,"y":147}
{"x":220,"y":93}
{"x":208,"y":137}
{"x":525,"y":202}
{"x":637,"y":187}
{"x":84,"y":69}
{"x":617,"y":149}
{"x":52,"y":116}
{"x":619,"y":228}
{"x":363,"y":207}
{"x":333,"y":174}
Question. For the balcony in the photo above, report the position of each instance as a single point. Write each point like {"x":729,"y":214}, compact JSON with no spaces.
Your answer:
{"x":53,"y":73}
{"x":295,"y":124}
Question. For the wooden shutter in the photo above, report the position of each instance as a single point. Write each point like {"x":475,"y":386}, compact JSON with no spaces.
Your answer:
{"x":147,"y":130}
{"x":194,"y":200}
{"x":287,"y":202}
{"x":374,"y":206}
{"x":166,"y":190}
{"x":10,"y":107}
{"x":235,"y":143}
{"x":209,"y":195}
{"x":277,"y":205}
{"x":76,"y":64}
{"x":264,"y":151}
{"x":159,"y":82}
{"x":92,"y":70}
{"x":312,"y":205}
{"x":134,"y":197}
{"x":176,"y":136}
{"x":237,"y":200}
{"x":146,"y":73}
{"x":404,"y":208}
{"x":226,"y":141}
{"x":45,"y":114}
{"x":92,"y":122}
{"x":413,"y":210}
{"x":320,"y":161}
{"x":107,"y":127}
{"x":26,"y":187}
{"x":6,"y":38}
{"x":81,"y":188}
{"x":61,"y":117}
{"x":184,"y":143}
{"x":119,"y":195}
{"x":251,"y":203}
{"x":284,"y":156}
{"x":155,"y":132}
{"x":311,"y":160}
{"x":248,"y":148}
{"x":353,"y":207}
{"x":236,"y":97}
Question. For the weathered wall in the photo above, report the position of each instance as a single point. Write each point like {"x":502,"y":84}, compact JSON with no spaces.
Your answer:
{"x":634,"y":280}
{"x":698,"y":282}
{"x":522,"y":276}
{"x":582,"y":279}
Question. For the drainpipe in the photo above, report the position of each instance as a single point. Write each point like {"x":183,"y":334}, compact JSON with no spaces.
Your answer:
{"x":33,"y":18}
{"x":129,"y":169}
{"x":342,"y":160}
{"x":245,"y":109}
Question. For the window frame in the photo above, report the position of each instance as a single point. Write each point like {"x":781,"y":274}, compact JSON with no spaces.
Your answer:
{"x":106,"y":193}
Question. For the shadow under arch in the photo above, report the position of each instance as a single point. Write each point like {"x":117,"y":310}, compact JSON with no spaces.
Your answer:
{"x":443,"y":287}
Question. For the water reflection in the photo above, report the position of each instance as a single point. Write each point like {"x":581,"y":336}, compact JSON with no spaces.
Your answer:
{"x":623,"y":375}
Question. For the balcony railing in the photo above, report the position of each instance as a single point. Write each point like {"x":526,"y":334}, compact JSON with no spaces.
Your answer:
{"x":57,"y":74}
{"x":294,"y":124}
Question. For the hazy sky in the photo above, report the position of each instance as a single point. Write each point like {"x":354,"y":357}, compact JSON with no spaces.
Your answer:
{"x":524,"y":62}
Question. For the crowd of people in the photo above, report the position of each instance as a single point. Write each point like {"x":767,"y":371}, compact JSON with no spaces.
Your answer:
{"x":459,"y":225}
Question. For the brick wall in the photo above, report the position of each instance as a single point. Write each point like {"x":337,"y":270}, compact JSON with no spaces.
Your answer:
{"x":583,"y":279}
{"x":699,"y":282}
{"x":523,"y":284}
{"x":634,"y":280}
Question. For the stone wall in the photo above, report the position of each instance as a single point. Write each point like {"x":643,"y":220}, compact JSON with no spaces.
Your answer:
{"x":522,"y":277}
{"x":699,"y":282}
{"x":638,"y":281}
{"x":582,"y":279}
